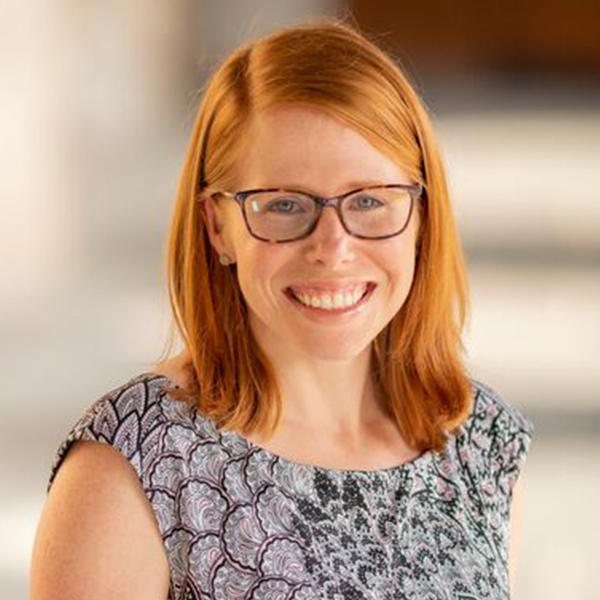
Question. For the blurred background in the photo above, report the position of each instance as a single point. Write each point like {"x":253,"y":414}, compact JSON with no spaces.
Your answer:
{"x":97,"y":102}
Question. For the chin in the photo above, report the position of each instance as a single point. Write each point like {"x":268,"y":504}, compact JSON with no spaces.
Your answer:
{"x":333,"y":350}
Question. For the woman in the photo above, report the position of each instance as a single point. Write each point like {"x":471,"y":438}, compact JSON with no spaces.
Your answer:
{"x":318,"y":436}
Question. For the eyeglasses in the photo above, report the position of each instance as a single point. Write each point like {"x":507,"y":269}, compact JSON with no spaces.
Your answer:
{"x":280,"y":215}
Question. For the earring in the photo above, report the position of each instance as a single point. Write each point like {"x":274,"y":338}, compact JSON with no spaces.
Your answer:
{"x":224,"y":259}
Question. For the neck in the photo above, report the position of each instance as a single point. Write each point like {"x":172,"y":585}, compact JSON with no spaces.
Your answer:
{"x":336,"y":398}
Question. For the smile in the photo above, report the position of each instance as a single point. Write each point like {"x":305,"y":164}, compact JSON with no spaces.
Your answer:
{"x":329,"y":302}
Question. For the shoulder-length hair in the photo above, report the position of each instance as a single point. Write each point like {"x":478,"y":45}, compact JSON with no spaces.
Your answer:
{"x":417,"y":361}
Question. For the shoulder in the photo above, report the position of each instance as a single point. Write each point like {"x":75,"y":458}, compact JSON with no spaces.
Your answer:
{"x":500,"y":428}
{"x":131,"y":418}
{"x":492,"y":411}
{"x":120,"y":472}
{"x":98,"y":498}
{"x":494,"y":442}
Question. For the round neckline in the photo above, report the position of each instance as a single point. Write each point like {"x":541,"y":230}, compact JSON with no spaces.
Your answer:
{"x":255,"y":448}
{"x":331,"y":470}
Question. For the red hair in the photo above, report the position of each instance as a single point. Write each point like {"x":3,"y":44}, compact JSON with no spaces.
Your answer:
{"x":417,"y":355}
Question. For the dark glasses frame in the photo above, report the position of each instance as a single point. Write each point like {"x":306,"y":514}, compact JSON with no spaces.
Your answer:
{"x":321,"y":202}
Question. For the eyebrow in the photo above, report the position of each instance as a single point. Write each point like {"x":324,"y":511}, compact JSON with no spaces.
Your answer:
{"x":353,"y":185}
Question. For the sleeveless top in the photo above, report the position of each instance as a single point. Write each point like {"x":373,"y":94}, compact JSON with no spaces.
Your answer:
{"x":239,"y":522}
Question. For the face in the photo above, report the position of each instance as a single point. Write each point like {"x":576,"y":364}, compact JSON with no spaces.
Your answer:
{"x":304,"y":149}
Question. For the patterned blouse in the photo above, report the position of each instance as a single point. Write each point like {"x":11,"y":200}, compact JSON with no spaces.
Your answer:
{"x":239,"y":522}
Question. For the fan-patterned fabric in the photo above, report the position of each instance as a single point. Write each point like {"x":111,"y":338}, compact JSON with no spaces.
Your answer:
{"x":239,"y":522}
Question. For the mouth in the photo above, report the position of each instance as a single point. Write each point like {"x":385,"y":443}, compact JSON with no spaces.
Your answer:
{"x":332,"y":303}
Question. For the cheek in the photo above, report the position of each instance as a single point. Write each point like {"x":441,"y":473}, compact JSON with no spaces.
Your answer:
{"x":253,"y":263}
{"x":399,"y":256}
{"x":398,"y":262}
{"x":257,"y":276}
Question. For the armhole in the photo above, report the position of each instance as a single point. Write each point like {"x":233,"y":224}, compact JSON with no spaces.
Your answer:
{"x":126,"y":419}
{"x":510,"y":433}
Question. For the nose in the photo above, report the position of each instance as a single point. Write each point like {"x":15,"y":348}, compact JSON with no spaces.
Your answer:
{"x":329,"y":243}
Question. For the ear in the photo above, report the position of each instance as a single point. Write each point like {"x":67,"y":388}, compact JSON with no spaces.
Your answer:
{"x":215,"y":219}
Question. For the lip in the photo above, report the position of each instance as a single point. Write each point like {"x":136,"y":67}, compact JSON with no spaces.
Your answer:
{"x":330,"y":286}
{"x":322,"y":314}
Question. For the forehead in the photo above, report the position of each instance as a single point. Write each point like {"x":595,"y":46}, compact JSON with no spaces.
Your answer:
{"x":304,"y":147}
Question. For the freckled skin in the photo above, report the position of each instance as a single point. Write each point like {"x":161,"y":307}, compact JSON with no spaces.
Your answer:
{"x":303,"y":148}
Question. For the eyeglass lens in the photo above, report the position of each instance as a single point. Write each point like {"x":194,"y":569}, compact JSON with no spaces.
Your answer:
{"x":376,"y":212}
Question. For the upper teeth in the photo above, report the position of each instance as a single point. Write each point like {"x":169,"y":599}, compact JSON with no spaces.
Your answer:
{"x":329,"y":300}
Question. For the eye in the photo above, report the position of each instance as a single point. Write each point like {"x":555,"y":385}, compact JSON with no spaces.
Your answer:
{"x":284,"y":205}
{"x":365,"y":202}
